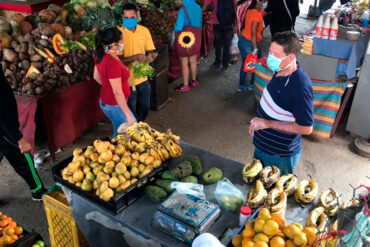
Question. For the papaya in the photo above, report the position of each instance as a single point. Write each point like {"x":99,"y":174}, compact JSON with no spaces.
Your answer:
{"x":190,"y":179}
{"x":181,"y":170}
{"x":58,"y":42}
{"x":165,"y":184}
{"x":212,"y":175}
{"x":33,"y":73}
{"x":168,"y":175}
{"x":196,"y":164}
{"x":155,"y":193}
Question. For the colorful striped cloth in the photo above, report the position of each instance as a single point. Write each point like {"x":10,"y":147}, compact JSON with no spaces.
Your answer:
{"x":327,"y":99}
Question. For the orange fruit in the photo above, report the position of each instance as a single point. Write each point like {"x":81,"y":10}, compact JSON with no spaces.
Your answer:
{"x":4,"y":222}
{"x":12,"y":225}
{"x":18,"y":230}
{"x":248,"y":232}
{"x":280,"y":219}
{"x":247,"y":243}
{"x":291,"y":230}
{"x":237,"y":240}
{"x":280,"y":234}
{"x":249,"y":224}
{"x":6,"y":240}
{"x":298,"y":225}
{"x":271,"y":228}
{"x":9,"y":231}
{"x":289,"y":243}
{"x":258,"y":225}
{"x":310,"y":234}
{"x":260,"y":244}
{"x":264,"y":214}
{"x":277,"y":242}
{"x":15,"y":237}
{"x":261,"y":237}
{"x":300,"y":239}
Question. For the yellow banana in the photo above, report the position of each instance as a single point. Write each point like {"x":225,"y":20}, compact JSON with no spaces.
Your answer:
{"x":288,"y":183}
{"x":307,"y":191}
{"x":317,"y":218}
{"x":257,"y":196}
{"x":269,"y":176}
{"x":251,"y":170}
{"x":329,"y":201}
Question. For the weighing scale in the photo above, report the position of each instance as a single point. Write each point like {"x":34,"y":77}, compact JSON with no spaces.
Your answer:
{"x":185,"y":216}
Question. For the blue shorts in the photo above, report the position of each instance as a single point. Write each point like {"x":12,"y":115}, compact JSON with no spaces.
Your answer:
{"x":285,"y":164}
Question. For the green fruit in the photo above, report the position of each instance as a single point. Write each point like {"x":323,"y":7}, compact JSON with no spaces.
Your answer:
{"x":181,"y":170}
{"x":196,"y":164}
{"x":155,"y":194}
{"x":165,"y":184}
{"x":168,"y":175}
{"x":212,"y":175}
{"x":40,"y":243}
{"x":190,"y":179}
{"x":90,"y":176}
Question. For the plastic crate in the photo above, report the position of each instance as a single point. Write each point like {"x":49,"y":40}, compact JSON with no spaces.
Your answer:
{"x":63,"y":229}
{"x":162,"y":61}
{"x":159,"y":92}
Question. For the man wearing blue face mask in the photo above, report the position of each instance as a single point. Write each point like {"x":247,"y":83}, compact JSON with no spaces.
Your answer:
{"x":138,"y":43}
{"x":285,"y":111}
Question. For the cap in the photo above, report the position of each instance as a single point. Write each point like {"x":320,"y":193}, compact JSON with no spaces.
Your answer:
{"x":246,"y":210}
{"x":206,"y":240}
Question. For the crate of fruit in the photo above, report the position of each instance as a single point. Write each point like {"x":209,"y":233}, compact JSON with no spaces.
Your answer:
{"x":112,"y":173}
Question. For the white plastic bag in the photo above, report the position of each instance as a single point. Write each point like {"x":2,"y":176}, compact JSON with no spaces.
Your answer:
{"x":228,"y":196}
{"x":234,"y":50}
{"x":189,"y":189}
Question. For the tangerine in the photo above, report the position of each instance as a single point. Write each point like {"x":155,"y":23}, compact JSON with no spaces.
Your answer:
{"x":237,"y":240}
{"x":271,"y":228}
{"x":247,"y":243}
{"x":261,"y":237}
{"x":291,"y":230}
{"x":12,"y":224}
{"x":298,"y":225}
{"x":18,"y":230}
{"x":248,"y":232}
{"x":9,"y":231}
{"x":260,"y":244}
{"x":277,"y":242}
{"x":258,"y":225}
{"x":289,"y":243}
{"x":280,"y":219}
{"x":264,"y":214}
{"x":310,"y":233}
{"x":300,"y":239}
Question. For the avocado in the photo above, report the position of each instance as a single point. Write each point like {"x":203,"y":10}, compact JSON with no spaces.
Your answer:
{"x":196,"y":164}
{"x":155,"y":194}
{"x":165,"y":184}
{"x":190,"y":179}
{"x":212,"y":175}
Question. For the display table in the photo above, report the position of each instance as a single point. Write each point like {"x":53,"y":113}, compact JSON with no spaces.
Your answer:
{"x":133,"y":226}
{"x":67,"y":113}
{"x":28,"y":6}
{"x":353,"y":51}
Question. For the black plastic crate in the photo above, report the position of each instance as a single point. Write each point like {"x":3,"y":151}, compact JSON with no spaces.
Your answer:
{"x":159,"y":92}
{"x":27,"y":241}
{"x":118,"y":203}
{"x":162,"y":61}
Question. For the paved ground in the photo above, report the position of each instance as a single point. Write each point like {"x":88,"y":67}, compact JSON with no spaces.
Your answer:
{"x":214,"y":117}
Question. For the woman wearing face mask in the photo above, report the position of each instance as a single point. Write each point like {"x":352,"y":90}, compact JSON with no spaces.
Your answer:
{"x":113,"y":76}
{"x":248,"y":41}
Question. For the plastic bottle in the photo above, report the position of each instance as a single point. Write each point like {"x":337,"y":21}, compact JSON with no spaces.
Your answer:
{"x":334,"y":29}
{"x":326,"y":28}
{"x":319,"y":27}
{"x":365,"y":19}
{"x":245,"y":212}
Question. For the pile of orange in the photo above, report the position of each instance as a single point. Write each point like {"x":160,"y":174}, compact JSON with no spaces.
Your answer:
{"x":271,"y":230}
{"x":9,"y":230}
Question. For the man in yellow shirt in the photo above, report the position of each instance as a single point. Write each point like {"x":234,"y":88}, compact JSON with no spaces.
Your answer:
{"x":138,"y":43}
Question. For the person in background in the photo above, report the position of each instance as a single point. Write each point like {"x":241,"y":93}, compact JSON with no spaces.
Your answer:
{"x":195,"y":15}
{"x":113,"y":76}
{"x":138,"y":44}
{"x":248,"y":41}
{"x":283,"y":15}
{"x":12,"y":143}
{"x":285,"y":111}
{"x":223,"y":19}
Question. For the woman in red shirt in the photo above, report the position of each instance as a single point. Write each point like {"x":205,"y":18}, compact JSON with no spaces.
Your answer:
{"x":113,"y":76}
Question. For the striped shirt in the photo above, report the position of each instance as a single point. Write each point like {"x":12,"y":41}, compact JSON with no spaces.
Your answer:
{"x":286,"y":99}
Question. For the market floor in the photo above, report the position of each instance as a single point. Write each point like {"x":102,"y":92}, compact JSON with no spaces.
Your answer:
{"x":214,"y":117}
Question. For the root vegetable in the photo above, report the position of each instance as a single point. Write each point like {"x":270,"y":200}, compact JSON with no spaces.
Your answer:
{"x":24,"y":47}
{"x":45,"y":29}
{"x":36,"y":58}
{"x":44,"y":42}
{"x":5,"y":40}
{"x":18,"y":17}
{"x":58,"y":28}
{"x":9,"y":55}
{"x":37,"y":65}
{"x":25,"y":64}
{"x":4,"y":25}
{"x":25,"y":27}
{"x":47,"y":16}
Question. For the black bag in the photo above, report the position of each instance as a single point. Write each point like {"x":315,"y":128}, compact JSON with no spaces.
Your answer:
{"x":226,"y":12}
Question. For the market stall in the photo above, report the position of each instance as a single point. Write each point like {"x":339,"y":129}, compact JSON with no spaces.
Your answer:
{"x":27,"y":6}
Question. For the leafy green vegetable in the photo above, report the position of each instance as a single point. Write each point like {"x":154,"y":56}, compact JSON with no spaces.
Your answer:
{"x":88,"y":40}
{"x":101,"y":18}
{"x":142,"y":69}
{"x":70,"y":45}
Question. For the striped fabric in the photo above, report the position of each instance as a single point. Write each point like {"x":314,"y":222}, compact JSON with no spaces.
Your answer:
{"x":327,"y":99}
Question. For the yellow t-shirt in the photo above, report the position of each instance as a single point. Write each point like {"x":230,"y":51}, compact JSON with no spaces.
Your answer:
{"x":136,"y":42}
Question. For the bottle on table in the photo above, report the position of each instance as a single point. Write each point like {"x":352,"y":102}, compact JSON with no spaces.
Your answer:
{"x":319,"y":27}
{"x":326,"y":28}
{"x":245,"y":212}
{"x":334,"y":29}
{"x":365,"y":19}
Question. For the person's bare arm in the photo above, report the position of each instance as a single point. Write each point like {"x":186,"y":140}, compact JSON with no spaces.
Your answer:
{"x":97,"y":75}
{"x":129,"y":60}
{"x":121,"y":99}
{"x":255,"y":26}
{"x":287,"y":127}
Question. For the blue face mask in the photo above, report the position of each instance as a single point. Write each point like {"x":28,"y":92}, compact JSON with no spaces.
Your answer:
{"x":264,"y":6}
{"x":274,"y":63}
{"x":129,"y":23}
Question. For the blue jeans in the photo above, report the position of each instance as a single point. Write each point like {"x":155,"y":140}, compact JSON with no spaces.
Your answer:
{"x":115,"y":114}
{"x":139,"y":101}
{"x":285,"y":164}
{"x":245,"y":47}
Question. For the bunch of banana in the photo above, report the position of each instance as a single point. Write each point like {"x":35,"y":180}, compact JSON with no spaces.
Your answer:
{"x":332,"y":241}
{"x":269,"y":176}
{"x":172,"y":147}
{"x":329,"y":201}
{"x":172,"y":136}
{"x":317,"y":218}
{"x":288,"y":183}
{"x":350,"y":203}
{"x":276,"y":201}
{"x":256,"y":196}
{"x":252,"y":170}
{"x":306,"y":192}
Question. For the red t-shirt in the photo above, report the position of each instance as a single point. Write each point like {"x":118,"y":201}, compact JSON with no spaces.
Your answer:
{"x":112,"y":68}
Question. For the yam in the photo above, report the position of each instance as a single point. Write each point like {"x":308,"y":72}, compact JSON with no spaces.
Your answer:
{"x":47,"y":16}
{"x":18,"y":17}
{"x":45,"y":29}
{"x":24,"y":47}
{"x":37,"y":65}
{"x":4,"y":25}
{"x":5,"y":40}
{"x":58,"y":28}
{"x":25,"y":27}
{"x":10,"y":55}
{"x":25,"y":64}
